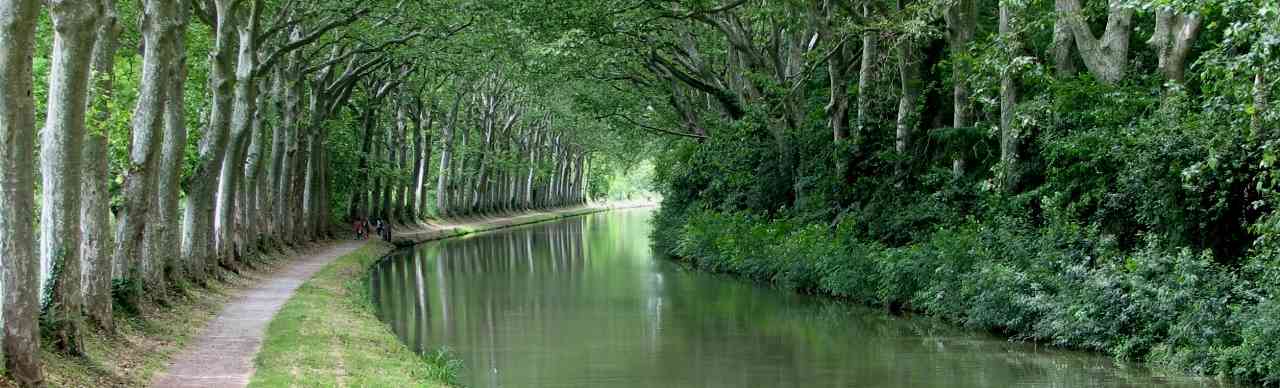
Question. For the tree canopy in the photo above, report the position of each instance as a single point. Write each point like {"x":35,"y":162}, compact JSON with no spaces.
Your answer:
{"x":178,"y":139}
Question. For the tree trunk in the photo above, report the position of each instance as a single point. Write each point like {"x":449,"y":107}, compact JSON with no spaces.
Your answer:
{"x":140,"y":181}
{"x":375,"y":184}
{"x":422,"y":158}
{"x":286,"y":192}
{"x":908,"y":116}
{"x":298,"y":186}
{"x":446,"y":156}
{"x":387,"y":187}
{"x":61,"y":165}
{"x":1260,"y":94}
{"x":838,"y":106}
{"x":866,"y":72}
{"x":21,"y":265}
{"x":95,"y":209}
{"x":1063,"y":40}
{"x":399,"y":187}
{"x":962,"y":22}
{"x":1010,"y":171}
{"x":533,"y":164}
{"x":256,"y":176}
{"x":315,"y":215}
{"x":172,"y":160}
{"x":243,"y":109}
{"x":279,"y":154}
{"x":359,"y":196}
{"x":1105,"y":58}
{"x":198,"y":238}
{"x":424,"y":213}
{"x":463,"y":177}
{"x":1172,"y":39}
{"x":412,"y":189}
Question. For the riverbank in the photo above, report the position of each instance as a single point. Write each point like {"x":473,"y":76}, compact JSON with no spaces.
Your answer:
{"x":467,"y":225}
{"x":328,"y":335}
{"x":1173,"y":309}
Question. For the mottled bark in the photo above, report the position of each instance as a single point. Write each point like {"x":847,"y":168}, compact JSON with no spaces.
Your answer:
{"x":422,"y":157}
{"x":247,"y":204}
{"x":962,"y":22}
{"x":291,"y":124}
{"x":21,"y":265}
{"x":838,"y":104}
{"x":446,"y":158}
{"x":279,"y":155}
{"x":1172,"y":40}
{"x":837,"y":76}
{"x":1010,"y":171}
{"x":866,"y":71}
{"x":141,"y":176}
{"x":375,"y":182}
{"x":243,"y":109}
{"x":462,"y":179}
{"x":168,"y":241}
{"x":397,"y":160}
{"x":909,"y":64}
{"x":1260,"y":95}
{"x":388,"y":186}
{"x":425,"y":188}
{"x":75,"y":23}
{"x":313,"y":189}
{"x":298,"y":185}
{"x":534,"y":141}
{"x":95,"y":210}
{"x":359,"y":194}
{"x":1105,"y":57}
{"x":199,"y":241}
{"x":413,"y":188}
{"x":1063,"y":40}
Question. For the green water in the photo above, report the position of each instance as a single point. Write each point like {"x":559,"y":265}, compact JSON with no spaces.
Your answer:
{"x":584,"y":303}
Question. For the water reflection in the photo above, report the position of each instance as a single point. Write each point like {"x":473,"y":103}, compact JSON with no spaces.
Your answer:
{"x":583,"y":303}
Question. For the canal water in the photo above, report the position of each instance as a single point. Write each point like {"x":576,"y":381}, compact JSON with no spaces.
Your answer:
{"x":584,"y":302}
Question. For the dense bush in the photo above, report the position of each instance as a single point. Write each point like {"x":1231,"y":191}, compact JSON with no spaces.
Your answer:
{"x":1135,"y":217}
{"x":1064,"y":285}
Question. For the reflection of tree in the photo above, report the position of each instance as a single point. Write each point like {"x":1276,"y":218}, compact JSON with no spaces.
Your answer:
{"x":420,"y":313}
{"x":554,"y":302}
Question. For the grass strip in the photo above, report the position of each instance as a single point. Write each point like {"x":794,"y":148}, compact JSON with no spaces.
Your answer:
{"x":327,"y":335}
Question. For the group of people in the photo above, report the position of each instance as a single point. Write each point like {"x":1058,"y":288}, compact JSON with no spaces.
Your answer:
{"x":361,"y":227}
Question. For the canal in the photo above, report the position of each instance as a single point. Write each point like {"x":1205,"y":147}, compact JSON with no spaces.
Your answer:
{"x":584,"y":302}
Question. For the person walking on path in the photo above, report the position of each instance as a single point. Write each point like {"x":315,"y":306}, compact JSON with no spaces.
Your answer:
{"x":357,"y":227}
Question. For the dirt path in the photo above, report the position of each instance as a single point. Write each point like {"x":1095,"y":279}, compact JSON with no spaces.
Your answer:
{"x":222,"y":356}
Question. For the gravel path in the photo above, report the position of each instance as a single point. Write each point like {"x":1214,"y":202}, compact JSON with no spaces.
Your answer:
{"x":222,"y":356}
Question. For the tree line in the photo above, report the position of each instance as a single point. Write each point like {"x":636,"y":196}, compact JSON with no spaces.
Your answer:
{"x":239,"y":128}
{"x":1051,"y":170}
{"x":499,"y":151}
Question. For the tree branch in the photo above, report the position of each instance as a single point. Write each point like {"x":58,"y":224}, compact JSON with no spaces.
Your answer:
{"x":296,"y":44}
{"x":654,"y":129}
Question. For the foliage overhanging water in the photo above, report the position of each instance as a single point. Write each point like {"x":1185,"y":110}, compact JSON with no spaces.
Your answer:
{"x":584,"y":303}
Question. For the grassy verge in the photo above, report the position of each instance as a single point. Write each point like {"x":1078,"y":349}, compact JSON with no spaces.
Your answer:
{"x":327,"y":335}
